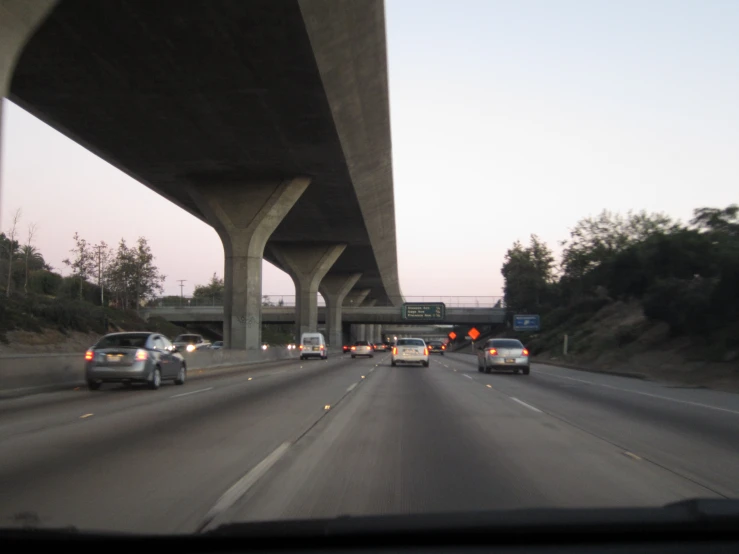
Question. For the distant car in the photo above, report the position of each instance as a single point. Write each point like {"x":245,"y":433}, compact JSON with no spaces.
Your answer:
{"x":380,"y":347}
{"x":217,"y":345}
{"x":503,"y":354}
{"x":291,"y":346}
{"x":362,"y":348}
{"x":189,"y":343}
{"x":134,"y":358}
{"x":436,"y":347}
{"x":410,"y":351}
{"x":346,"y":348}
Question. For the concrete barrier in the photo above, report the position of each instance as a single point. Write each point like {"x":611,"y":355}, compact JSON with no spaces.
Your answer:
{"x":22,"y":374}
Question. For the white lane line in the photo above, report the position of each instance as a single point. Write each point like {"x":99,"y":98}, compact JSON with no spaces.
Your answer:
{"x":191,"y":392}
{"x":529,"y":406}
{"x":465,"y":375}
{"x":351,"y":387}
{"x":688,"y":402}
{"x":241,"y":486}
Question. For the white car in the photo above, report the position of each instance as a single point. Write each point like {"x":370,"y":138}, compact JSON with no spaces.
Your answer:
{"x":410,"y":351}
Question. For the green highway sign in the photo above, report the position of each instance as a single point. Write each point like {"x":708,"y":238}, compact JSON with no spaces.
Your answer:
{"x":421,"y":311}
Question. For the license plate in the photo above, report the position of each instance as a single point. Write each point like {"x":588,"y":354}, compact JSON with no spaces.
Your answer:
{"x":316,"y":348}
{"x":510,"y":360}
{"x":114,"y":358}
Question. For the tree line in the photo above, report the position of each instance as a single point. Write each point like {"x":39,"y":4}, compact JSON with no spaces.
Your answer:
{"x":683,"y":274}
{"x":123,"y":277}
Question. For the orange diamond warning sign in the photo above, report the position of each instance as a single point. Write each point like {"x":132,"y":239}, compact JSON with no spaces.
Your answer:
{"x":474,"y":333}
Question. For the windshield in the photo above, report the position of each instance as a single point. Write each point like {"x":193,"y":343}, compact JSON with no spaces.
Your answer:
{"x":411,"y":342}
{"x":188,"y":338}
{"x":128,"y":340}
{"x":309,"y":180}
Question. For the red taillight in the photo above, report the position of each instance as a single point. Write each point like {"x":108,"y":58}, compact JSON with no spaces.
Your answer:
{"x":492,"y":351}
{"x":443,"y":347}
{"x":425,"y":351}
{"x":89,"y":355}
{"x":321,"y":347}
{"x":142,"y":355}
{"x":524,"y":352}
{"x":301,"y":346}
{"x":395,"y":350}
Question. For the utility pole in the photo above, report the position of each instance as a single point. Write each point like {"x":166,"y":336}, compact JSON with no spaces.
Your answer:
{"x":100,"y":248}
{"x":182,"y":286}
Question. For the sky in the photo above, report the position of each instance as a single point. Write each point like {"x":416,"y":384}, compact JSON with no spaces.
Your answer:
{"x":508,"y":118}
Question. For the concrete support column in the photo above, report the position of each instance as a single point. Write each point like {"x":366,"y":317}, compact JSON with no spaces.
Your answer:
{"x":361,"y":332}
{"x":307,"y":265}
{"x":19,"y":19}
{"x":245,"y":215}
{"x":334,"y":288}
{"x":378,"y":332}
{"x":369,"y":330}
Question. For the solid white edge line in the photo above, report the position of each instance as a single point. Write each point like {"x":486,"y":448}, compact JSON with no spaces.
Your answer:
{"x":240,"y":487}
{"x":529,"y":406}
{"x":191,"y":392}
{"x":351,"y":387}
{"x":688,"y":402}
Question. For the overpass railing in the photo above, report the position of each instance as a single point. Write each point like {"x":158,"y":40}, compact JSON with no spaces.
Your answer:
{"x":288,"y":301}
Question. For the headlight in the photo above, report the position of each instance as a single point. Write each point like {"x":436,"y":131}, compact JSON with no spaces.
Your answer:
{"x":190,"y":347}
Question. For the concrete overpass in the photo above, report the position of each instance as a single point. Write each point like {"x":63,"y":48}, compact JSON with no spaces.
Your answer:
{"x":267,"y":119}
{"x":370,"y":321}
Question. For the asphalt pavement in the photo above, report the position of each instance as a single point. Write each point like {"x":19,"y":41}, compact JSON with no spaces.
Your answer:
{"x":304,"y":439}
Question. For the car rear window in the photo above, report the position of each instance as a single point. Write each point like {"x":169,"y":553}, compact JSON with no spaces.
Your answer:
{"x":311,"y":341}
{"x":501,"y":343}
{"x":411,"y":342}
{"x":132,"y":340}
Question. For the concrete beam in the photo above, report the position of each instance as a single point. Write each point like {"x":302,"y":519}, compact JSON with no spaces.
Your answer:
{"x":356,"y":297}
{"x":334,"y":288}
{"x":19,"y":19}
{"x":245,"y":215}
{"x":307,"y":265}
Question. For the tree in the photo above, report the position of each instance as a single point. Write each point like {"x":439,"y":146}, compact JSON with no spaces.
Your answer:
{"x":133,"y":277}
{"x":595,"y":240}
{"x":12,"y":245}
{"x":82,"y":264}
{"x":213,"y":291}
{"x":528,"y":272}
{"x":28,"y":252}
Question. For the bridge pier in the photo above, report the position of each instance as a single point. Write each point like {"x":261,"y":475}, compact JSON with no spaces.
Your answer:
{"x":245,"y":215}
{"x":307,"y":265}
{"x":334,"y":288}
{"x":18,"y":21}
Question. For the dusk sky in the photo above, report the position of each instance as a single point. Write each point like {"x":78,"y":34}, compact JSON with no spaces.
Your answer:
{"x":508,"y":118}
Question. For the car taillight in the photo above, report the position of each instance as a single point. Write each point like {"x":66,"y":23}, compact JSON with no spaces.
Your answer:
{"x":425,"y":351}
{"x":443,"y":347}
{"x":89,"y":355}
{"x":493,"y":351}
{"x":354,"y":347}
{"x":141,"y":355}
{"x":524,"y":352}
{"x":395,"y":350}
{"x":321,"y":347}
{"x":301,"y":346}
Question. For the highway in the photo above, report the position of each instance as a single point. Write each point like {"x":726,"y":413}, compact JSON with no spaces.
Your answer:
{"x":312,"y":439}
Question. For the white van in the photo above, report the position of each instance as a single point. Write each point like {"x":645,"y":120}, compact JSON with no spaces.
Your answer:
{"x":313,"y":345}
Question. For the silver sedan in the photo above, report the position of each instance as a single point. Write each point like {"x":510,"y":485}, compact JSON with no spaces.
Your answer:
{"x":505,"y":355}
{"x":134,"y":358}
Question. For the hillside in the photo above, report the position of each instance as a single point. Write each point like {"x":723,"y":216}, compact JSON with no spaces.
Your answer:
{"x":37,"y":324}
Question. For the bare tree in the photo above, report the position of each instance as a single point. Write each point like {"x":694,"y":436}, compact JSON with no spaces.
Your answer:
{"x":29,"y":249}
{"x":12,"y":234}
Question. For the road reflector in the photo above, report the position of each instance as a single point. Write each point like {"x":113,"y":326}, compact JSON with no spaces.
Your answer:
{"x":85,"y":416}
{"x":327,"y":407}
{"x":249,"y":379}
{"x":631,"y":455}
{"x":489,"y":386}
{"x":362,"y":376}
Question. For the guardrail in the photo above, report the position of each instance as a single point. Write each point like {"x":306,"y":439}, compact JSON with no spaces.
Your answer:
{"x":287,"y":301}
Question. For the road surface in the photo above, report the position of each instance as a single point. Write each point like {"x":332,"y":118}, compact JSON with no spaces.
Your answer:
{"x":327,"y":438}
